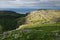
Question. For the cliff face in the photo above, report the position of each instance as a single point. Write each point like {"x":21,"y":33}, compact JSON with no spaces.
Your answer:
{"x":43,"y":16}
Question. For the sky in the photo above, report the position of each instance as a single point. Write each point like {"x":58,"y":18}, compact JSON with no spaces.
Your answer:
{"x":29,"y":3}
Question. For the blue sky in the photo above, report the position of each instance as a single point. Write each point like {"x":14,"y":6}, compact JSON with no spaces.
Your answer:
{"x":29,"y":3}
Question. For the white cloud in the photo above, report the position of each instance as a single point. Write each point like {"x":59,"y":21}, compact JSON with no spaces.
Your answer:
{"x":28,"y":3}
{"x":7,"y":0}
{"x":44,"y":0}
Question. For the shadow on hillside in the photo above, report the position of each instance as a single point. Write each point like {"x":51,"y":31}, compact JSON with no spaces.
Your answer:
{"x":10,"y":24}
{"x":10,"y":20}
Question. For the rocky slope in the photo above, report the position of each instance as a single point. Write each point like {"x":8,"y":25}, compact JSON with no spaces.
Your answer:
{"x":40,"y":17}
{"x":43,"y":16}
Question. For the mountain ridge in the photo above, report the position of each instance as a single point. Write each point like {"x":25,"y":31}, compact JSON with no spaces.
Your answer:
{"x":41,"y":17}
{"x":43,"y":14}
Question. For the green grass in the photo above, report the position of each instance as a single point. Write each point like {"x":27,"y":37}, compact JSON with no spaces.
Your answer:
{"x":31,"y":32}
{"x":28,"y":35}
{"x":47,"y":27}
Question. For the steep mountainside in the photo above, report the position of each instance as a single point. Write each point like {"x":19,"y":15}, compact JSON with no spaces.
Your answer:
{"x":9,"y":20}
{"x":43,"y":16}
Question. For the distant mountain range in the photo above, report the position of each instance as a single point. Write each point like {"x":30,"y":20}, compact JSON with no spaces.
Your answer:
{"x":25,"y":10}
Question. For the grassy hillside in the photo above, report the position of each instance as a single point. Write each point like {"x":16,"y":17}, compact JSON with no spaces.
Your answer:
{"x":37,"y":25}
{"x":36,"y":32}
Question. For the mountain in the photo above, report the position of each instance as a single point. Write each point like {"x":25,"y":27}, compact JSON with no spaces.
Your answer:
{"x":12,"y":20}
{"x":35,"y":25}
{"x":42,"y":16}
{"x":9,"y":20}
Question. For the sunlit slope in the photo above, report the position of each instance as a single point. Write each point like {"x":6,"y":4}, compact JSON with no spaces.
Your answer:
{"x":42,"y":16}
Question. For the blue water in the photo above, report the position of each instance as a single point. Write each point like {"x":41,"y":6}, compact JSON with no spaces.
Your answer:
{"x":20,"y":10}
{"x":26,"y":10}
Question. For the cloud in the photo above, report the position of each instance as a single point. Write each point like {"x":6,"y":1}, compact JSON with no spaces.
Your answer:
{"x":7,"y":0}
{"x":28,"y":3}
